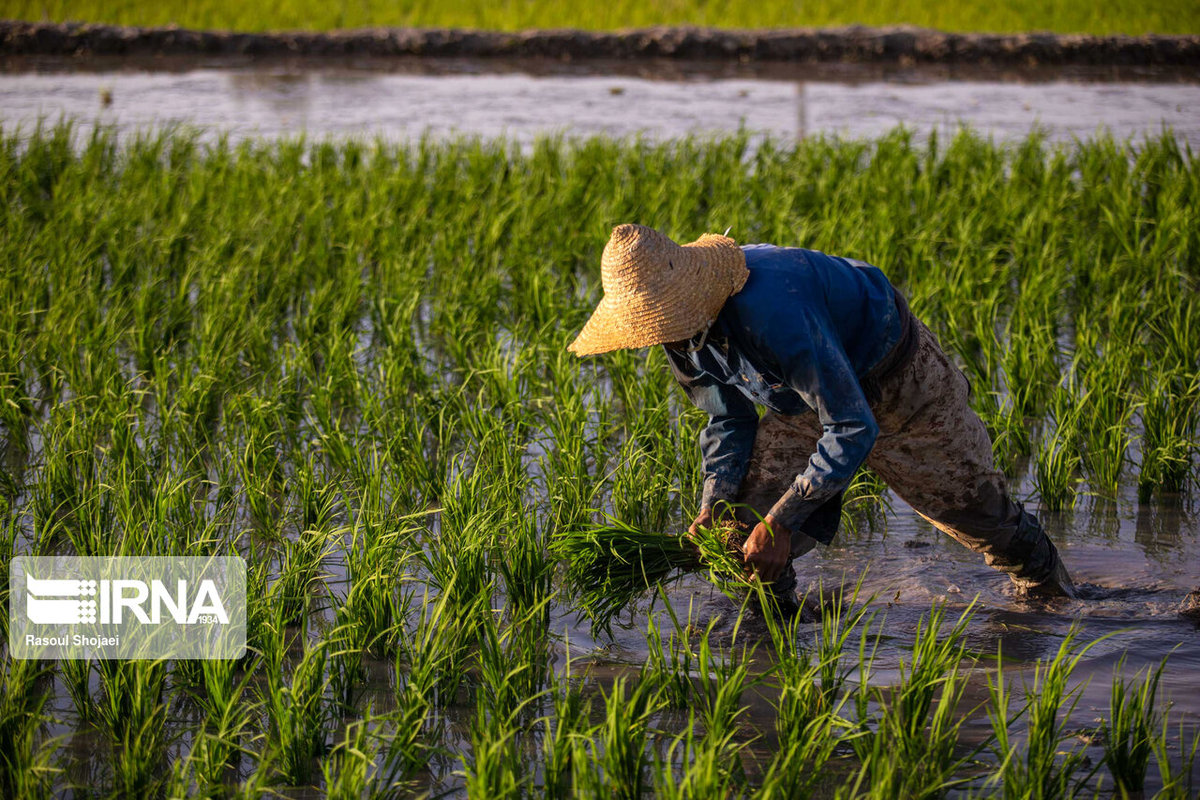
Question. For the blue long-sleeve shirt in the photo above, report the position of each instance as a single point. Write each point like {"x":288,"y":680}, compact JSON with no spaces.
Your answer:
{"x":798,"y":338}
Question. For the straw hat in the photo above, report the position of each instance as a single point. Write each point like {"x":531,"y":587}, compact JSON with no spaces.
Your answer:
{"x":657,"y":291}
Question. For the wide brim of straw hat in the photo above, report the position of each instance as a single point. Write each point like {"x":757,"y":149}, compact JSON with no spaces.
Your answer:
{"x":657,"y":291}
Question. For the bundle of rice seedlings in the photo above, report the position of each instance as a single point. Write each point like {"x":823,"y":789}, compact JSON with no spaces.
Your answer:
{"x":610,"y":564}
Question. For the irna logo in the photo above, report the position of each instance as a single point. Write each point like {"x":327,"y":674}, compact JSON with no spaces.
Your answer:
{"x":128,"y":608}
{"x":53,"y":601}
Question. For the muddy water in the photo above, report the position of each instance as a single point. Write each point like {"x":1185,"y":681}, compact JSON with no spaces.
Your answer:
{"x":1133,"y":564}
{"x":282,"y":99}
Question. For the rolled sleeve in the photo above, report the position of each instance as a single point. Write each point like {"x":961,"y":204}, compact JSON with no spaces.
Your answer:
{"x":728,"y":439}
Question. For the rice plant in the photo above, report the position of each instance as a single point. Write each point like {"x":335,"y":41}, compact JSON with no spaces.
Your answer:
{"x":1178,"y":779}
{"x":1059,"y":459}
{"x":709,"y":764}
{"x":405,"y":738}
{"x":841,"y":616}
{"x":563,"y":732}
{"x":228,"y":730}
{"x":619,"y":760}
{"x":669,"y":663}
{"x":808,"y":722}
{"x":513,"y":663}
{"x":300,"y":573}
{"x":132,"y":712}
{"x":914,"y":749}
{"x":300,"y":717}
{"x":1133,"y":724}
{"x":348,"y":770}
{"x":495,"y":768}
{"x":1169,"y":422}
{"x":26,"y":767}
{"x":1043,"y":769}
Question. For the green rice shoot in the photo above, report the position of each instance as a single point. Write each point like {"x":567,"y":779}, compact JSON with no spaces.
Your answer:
{"x":611,"y":564}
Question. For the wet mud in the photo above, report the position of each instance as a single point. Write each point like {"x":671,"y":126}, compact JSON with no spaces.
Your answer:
{"x":850,"y":44}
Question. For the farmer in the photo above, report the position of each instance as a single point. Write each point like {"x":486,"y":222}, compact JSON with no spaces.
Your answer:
{"x":847,"y":375}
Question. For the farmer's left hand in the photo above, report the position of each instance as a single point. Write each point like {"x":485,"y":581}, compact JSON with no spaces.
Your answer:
{"x":767,"y":549}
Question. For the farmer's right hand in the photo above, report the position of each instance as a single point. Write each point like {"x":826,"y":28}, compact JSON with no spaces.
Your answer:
{"x":703,"y":520}
{"x":767,"y":550}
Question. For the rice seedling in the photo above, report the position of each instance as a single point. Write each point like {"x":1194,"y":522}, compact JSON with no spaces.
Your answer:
{"x":1169,"y":419}
{"x":1030,"y":363}
{"x":264,"y":630}
{"x":641,"y":487}
{"x":259,"y":467}
{"x":26,"y":768}
{"x":711,"y":765}
{"x":318,"y":499}
{"x":513,"y":663}
{"x":346,"y":671}
{"x":610,"y":564}
{"x":348,"y":770}
{"x":721,"y":681}
{"x":562,"y":731}
{"x":1059,"y":458}
{"x":570,"y":484}
{"x":865,"y":501}
{"x":76,"y":675}
{"x":1044,"y":769}
{"x":496,"y":769}
{"x":377,"y":598}
{"x":669,"y":664}
{"x":840,"y":617}
{"x":405,"y":740}
{"x":300,"y":717}
{"x":225,"y":735}
{"x":1133,"y":724}
{"x":367,"y":622}
{"x":133,"y":713}
{"x":523,"y":563}
{"x":1107,"y":436}
{"x":457,"y":559}
{"x":299,"y":572}
{"x":913,"y":751}
{"x":1175,"y":767}
{"x":809,"y":727}
{"x":439,"y":647}
{"x":258,"y":784}
{"x":619,"y":762}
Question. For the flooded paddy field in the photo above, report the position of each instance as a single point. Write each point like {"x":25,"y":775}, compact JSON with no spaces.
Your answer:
{"x":402,"y":100}
{"x":345,"y":361}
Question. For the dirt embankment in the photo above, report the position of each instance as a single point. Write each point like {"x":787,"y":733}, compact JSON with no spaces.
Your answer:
{"x":854,"y":44}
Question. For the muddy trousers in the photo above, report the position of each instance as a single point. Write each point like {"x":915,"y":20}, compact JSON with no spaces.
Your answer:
{"x":932,"y":450}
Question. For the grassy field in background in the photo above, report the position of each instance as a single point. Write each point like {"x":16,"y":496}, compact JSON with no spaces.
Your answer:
{"x":1063,"y":16}
{"x":348,"y":359}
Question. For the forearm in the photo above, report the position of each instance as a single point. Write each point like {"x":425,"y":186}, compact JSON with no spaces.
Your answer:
{"x":841,"y":450}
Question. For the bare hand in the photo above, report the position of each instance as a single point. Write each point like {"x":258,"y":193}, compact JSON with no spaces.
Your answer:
{"x":703,"y":520}
{"x":767,"y":550}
